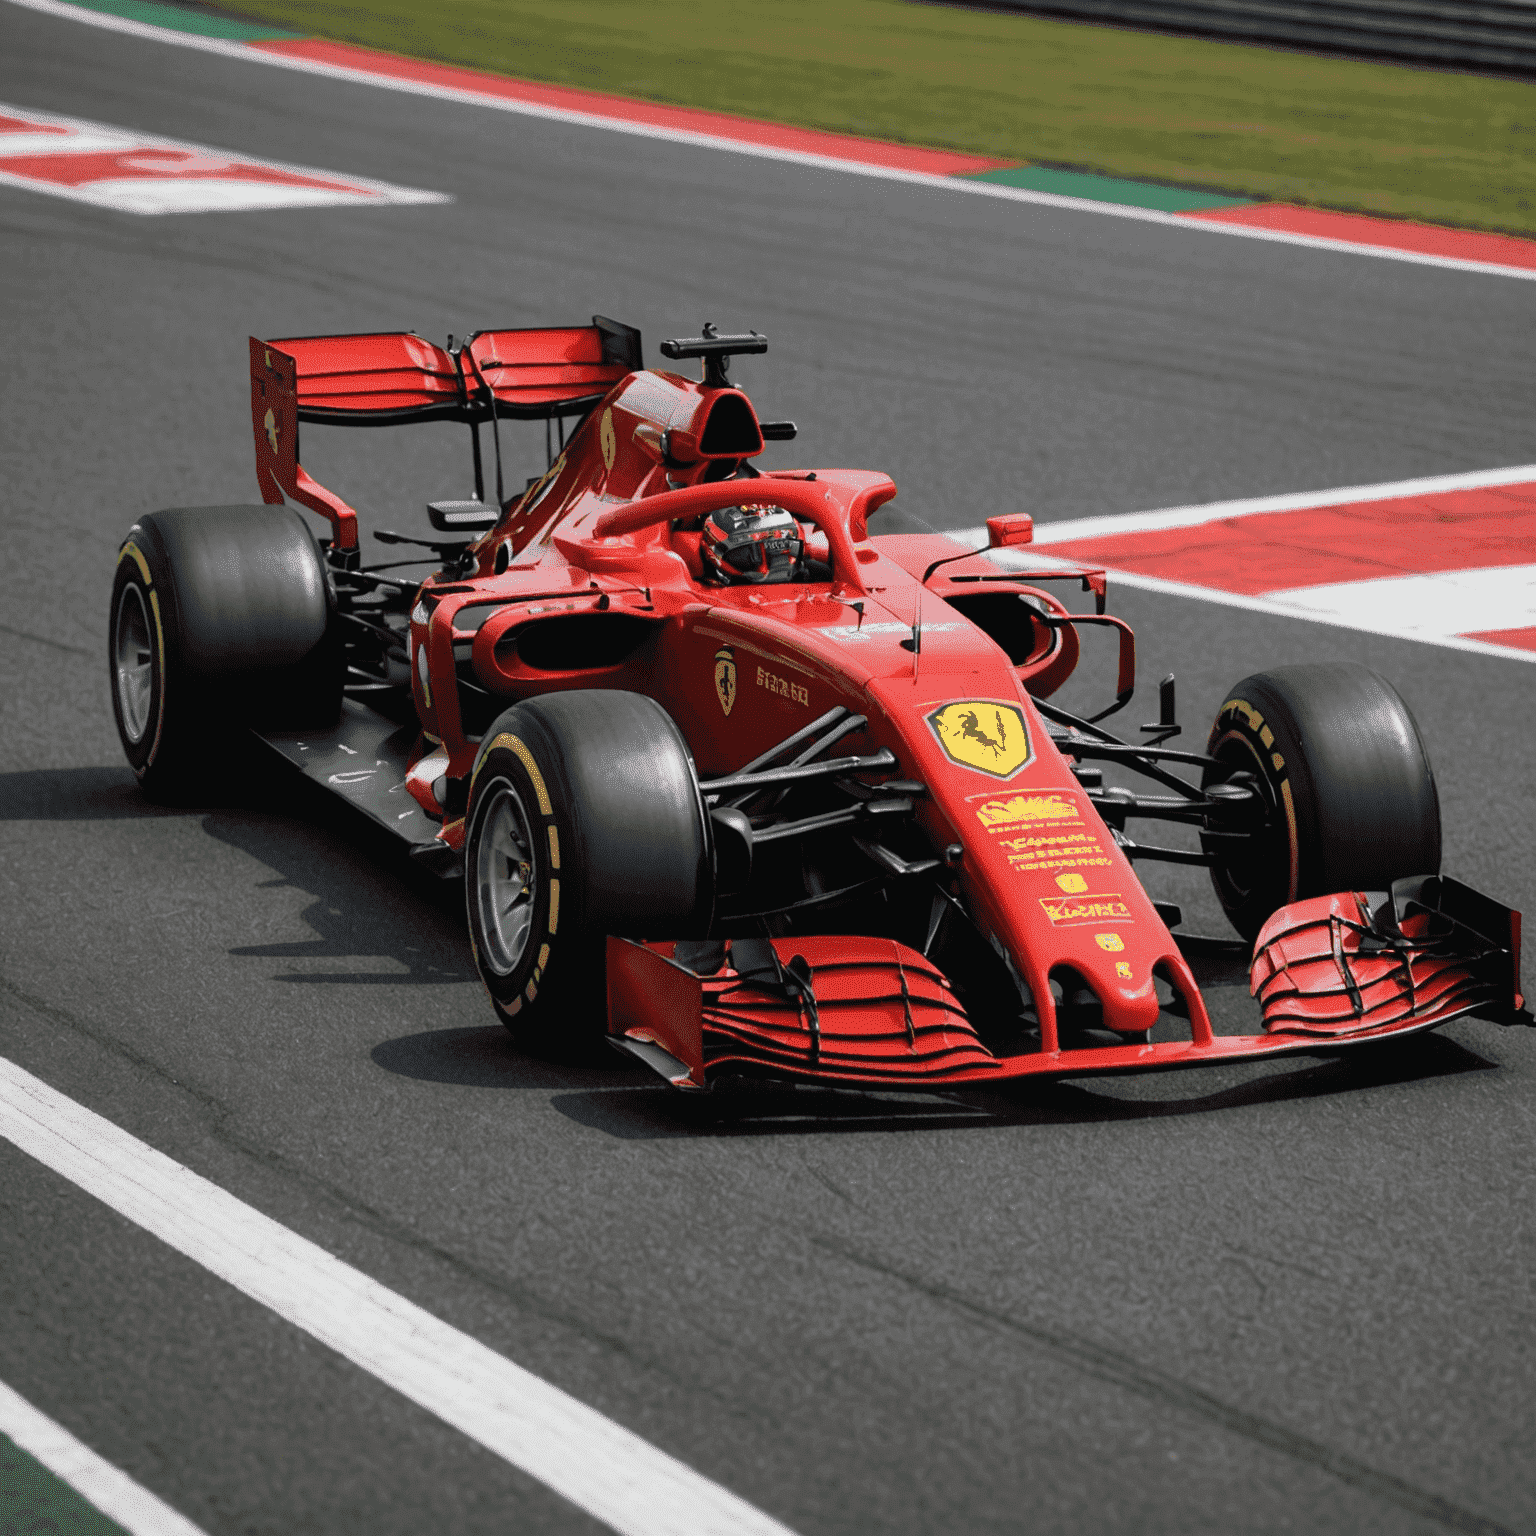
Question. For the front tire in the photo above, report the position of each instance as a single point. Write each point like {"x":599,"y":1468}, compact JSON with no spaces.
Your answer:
{"x":584,"y":819}
{"x":1338,"y":759}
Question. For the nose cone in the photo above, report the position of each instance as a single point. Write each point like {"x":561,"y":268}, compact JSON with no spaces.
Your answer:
{"x":1129,"y":1009}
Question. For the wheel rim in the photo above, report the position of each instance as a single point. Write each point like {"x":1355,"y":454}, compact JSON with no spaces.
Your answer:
{"x":134,"y":663}
{"x":506,"y":882}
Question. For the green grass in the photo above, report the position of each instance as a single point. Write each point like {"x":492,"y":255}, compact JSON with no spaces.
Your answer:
{"x":1380,"y":138}
{"x":35,"y":1500}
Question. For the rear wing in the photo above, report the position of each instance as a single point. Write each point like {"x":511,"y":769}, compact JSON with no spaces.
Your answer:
{"x":391,"y":378}
{"x":539,"y":374}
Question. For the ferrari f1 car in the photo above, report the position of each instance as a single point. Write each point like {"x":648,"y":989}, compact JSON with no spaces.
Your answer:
{"x":773,"y":794}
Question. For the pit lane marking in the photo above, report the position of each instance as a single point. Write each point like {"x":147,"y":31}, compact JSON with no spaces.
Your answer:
{"x":98,"y":1482}
{"x":598,"y":1465}
{"x":1444,"y":559}
{"x":131,"y":172}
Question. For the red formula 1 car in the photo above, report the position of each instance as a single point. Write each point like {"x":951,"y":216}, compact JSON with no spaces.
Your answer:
{"x":792,"y":797}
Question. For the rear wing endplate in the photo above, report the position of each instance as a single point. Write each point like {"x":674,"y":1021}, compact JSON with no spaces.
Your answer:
{"x":275,"y":425}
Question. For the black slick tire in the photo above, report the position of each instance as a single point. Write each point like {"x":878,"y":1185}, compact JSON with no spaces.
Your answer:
{"x":221,"y":617}
{"x":1340,"y":763}
{"x":585,"y":819}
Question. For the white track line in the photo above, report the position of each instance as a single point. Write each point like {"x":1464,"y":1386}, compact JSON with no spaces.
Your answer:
{"x":1439,"y":603}
{"x":98,"y":1482}
{"x":597,"y":1465}
{"x":963,"y":184}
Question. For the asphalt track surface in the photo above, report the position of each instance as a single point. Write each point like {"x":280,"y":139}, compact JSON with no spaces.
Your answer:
{"x":1284,"y":1297}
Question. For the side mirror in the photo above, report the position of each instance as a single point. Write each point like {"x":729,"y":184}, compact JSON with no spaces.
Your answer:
{"x":1012,"y":528}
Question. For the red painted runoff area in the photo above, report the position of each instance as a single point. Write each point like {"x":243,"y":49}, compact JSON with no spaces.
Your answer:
{"x":1520,"y":639}
{"x":155,"y":164}
{"x":1359,"y":541}
{"x":1361,"y":229}
{"x":26,"y":125}
{"x":717,"y":125}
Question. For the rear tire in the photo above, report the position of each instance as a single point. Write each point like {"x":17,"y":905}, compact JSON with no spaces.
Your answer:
{"x":1338,"y":758}
{"x":585,"y":819}
{"x":221,"y":617}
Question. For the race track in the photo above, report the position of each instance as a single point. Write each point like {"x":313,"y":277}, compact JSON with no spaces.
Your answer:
{"x":1285,"y":1297}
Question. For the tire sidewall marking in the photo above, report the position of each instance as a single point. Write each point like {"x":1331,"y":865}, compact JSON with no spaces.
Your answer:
{"x":158,"y":676}
{"x":133,"y":552}
{"x":1239,"y":722}
{"x":510,"y":1000}
{"x":140,"y":577}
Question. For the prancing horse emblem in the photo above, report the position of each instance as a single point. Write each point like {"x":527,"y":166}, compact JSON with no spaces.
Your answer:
{"x":270,"y":423}
{"x":984,"y":735}
{"x":725,"y":677}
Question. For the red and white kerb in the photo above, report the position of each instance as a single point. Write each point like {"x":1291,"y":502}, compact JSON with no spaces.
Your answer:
{"x":139,"y":173}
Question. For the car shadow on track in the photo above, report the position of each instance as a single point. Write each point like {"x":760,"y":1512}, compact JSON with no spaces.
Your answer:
{"x":622,"y":1102}
{"x":369,"y":903}
{"x":489,"y":1057}
{"x":76,"y":794}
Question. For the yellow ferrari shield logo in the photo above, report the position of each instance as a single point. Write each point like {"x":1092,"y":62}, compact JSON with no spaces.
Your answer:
{"x":984,"y":735}
{"x":270,"y":423}
{"x":725,"y":677}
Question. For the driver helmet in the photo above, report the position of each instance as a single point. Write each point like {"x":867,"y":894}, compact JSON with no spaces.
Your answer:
{"x":754,"y":543}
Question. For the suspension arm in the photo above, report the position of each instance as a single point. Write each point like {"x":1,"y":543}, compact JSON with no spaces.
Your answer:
{"x":772,"y":778}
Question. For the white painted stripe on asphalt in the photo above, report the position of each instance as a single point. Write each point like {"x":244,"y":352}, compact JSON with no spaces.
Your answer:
{"x":597,"y":1465}
{"x":85,"y":140}
{"x":98,"y":1482}
{"x":764,"y":152}
{"x":1431,"y":605}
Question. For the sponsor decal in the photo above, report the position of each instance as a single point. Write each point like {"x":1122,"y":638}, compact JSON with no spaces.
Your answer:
{"x":983,"y":735}
{"x":1066,"y":851}
{"x":606,"y":440}
{"x":538,"y":491}
{"x":269,"y":421}
{"x":1019,"y":809}
{"x":1110,"y":941}
{"x":1123,"y":970}
{"x":1047,"y":833}
{"x":796,"y":693}
{"x":725,"y":678}
{"x":1073,"y":911}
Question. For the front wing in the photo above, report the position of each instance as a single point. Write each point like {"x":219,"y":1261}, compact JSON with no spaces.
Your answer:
{"x":1331,"y":973}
